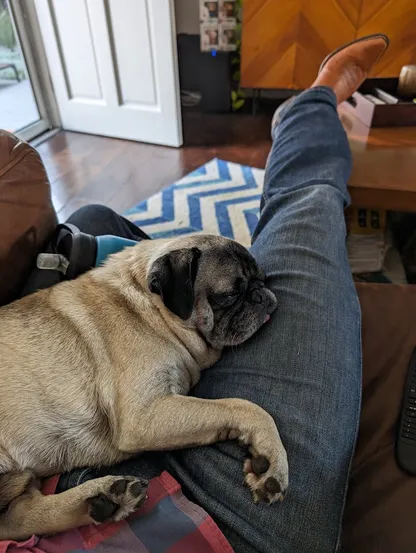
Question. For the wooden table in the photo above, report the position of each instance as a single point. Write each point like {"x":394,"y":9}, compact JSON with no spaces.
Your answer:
{"x":384,"y":169}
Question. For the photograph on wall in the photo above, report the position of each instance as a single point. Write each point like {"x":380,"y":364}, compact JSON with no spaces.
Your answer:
{"x":208,"y":10}
{"x":228,"y":37}
{"x":228,"y":11}
{"x":209,"y":37}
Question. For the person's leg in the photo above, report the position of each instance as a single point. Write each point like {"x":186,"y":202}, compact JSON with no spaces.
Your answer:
{"x":304,"y":367}
{"x":96,"y":220}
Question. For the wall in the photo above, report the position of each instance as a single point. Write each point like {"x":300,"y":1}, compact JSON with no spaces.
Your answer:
{"x":187,"y":16}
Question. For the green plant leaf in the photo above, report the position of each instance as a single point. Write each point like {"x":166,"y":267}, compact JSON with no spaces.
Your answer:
{"x":237,"y":75}
{"x":234,"y":95}
{"x":238,"y":104}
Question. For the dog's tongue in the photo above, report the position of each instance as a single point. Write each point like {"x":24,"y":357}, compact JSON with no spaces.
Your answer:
{"x":267,"y":319}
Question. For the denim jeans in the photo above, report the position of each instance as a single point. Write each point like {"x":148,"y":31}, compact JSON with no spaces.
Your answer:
{"x":304,"y":366}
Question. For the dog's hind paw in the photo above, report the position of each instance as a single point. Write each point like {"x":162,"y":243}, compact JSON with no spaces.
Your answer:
{"x":119,"y":497}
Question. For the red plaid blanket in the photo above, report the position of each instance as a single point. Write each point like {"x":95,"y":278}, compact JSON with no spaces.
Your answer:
{"x":167,"y":523}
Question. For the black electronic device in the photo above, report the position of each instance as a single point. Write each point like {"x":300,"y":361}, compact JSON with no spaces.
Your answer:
{"x":406,"y":438}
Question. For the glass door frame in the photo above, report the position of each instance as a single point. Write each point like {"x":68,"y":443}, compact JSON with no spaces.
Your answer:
{"x":29,"y":36}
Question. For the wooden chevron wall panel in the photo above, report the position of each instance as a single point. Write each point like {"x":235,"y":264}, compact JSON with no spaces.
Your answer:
{"x":315,"y":40}
{"x":269,"y":42}
{"x":397,"y":19}
{"x":284,"y":41}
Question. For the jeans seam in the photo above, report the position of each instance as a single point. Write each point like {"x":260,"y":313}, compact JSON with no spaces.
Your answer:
{"x":338,"y":544}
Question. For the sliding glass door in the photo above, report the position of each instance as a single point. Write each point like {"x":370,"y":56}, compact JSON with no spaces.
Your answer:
{"x":26,"y":105}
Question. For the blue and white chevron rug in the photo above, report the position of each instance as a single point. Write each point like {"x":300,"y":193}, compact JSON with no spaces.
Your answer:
{"x":218,"y":198}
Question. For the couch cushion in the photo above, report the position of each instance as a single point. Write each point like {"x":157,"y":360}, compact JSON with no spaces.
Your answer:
{"x":26,"y":213}
{"x":380,"y":516}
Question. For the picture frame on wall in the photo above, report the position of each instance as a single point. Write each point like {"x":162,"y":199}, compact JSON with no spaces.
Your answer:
{"x":228,"y":37}
{"x":227,"y":11}
{"x":209,"y":37}
{"x":218,"y":25}
{"x":209,"y":10}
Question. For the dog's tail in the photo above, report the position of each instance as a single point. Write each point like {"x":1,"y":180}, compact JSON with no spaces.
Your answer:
{"x":12,"y":485}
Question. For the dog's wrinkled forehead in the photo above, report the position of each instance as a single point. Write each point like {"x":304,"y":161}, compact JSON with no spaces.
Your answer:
{"x":228,"y":264}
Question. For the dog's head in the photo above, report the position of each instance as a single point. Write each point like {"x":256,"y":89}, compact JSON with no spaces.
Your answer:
{"x":215,"y":285}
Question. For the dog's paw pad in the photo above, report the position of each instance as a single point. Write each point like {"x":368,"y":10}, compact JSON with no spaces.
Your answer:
{"x":265,"y":482}
{"x":102,"y":508}
{"x":260,"y":465}
{"x":272,"y":485}
{"x":119,"y":487}
{"x":118,"y":499}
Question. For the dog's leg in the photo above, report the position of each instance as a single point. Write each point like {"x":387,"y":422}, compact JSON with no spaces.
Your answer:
{"x":180,"y":421}
{"x":13,"y":484}
{"x":110,"y":498}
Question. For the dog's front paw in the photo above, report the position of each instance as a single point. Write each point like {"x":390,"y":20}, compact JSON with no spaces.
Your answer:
{"x":120,"y":496}
{"x":267,"y":478}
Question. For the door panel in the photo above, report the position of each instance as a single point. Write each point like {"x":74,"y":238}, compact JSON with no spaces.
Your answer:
{"x":114,"y":67}
{"x":76,"y":49}
{"x":129,"y":38}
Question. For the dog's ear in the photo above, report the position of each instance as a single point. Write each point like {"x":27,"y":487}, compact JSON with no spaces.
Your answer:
{"x":173,"y":278}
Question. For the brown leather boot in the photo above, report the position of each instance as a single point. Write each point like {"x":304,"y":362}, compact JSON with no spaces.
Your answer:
{"x":347,"y":67}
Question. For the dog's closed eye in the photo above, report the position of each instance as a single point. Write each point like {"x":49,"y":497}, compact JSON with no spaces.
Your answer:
{"x":225,"y":299}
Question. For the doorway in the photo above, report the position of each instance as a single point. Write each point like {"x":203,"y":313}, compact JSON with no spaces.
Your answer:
{"x":23,"y":93}
{"x":113,"y":65}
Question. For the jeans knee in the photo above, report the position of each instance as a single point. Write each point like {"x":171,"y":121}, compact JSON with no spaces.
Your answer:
{"x":324,"y":202}
{"x":94,"y":219}
{"x":91,"y":212}
{"x":321,"y":195}
{"x":324,"y":194}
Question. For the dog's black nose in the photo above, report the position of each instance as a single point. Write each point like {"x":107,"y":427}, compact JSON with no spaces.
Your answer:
{"x":257,"y":297}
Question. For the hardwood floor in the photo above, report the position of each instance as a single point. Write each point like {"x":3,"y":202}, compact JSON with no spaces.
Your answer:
{"x":85,"y":169}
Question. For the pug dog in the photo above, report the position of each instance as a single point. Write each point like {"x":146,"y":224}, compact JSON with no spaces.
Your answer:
{"x":96,"y":370}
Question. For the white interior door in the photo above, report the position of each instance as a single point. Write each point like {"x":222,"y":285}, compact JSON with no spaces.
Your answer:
{"x":113,"y":65}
